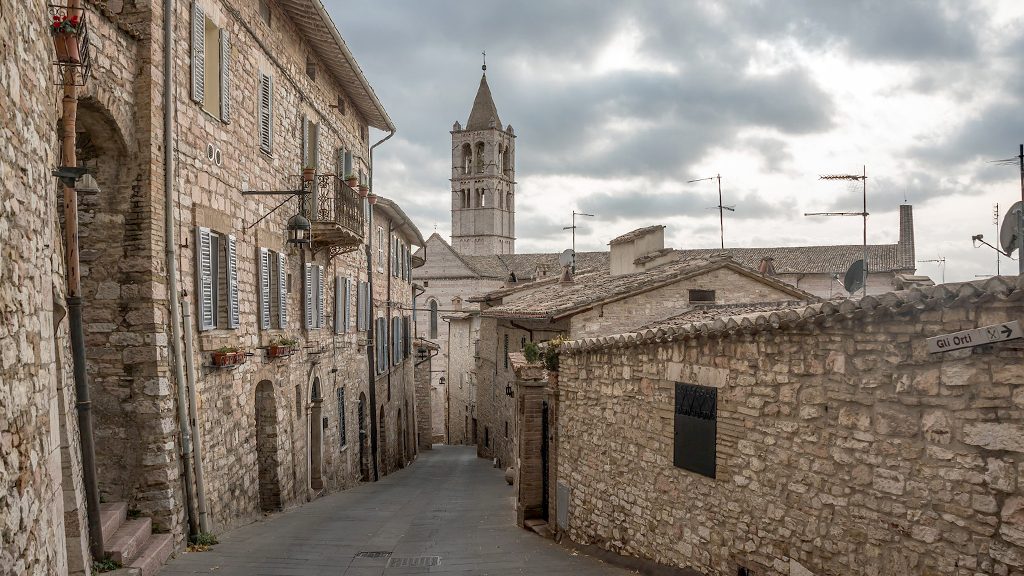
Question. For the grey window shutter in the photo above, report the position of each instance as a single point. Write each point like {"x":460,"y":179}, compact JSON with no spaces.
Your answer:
{"x":232,"y":277}
{"x":198,"y":53}
{"x":347,"y":305}
{"x":319,"y":270}
{"x":225,"y":77}
{"x":308,"y":293}
{"x":348,"y":162}
{"x":266,"y":113}
{"x":282,"y":291}
{"x":339,"y":290}
{"x":339,"y":163}
{"x":264,"y":289}
{"x":305,"y":142}
{"x":315,"y":149}
{"x":204,"y":278}
{"x":359,"y":306}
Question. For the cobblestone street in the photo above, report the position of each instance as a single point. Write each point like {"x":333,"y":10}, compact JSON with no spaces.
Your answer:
{"x":449,"y":504}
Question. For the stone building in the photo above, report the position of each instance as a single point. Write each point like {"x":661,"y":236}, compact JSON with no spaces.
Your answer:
{"x":643,"y":282}
{"x":823,"y":439}
{"x":296,"y":356}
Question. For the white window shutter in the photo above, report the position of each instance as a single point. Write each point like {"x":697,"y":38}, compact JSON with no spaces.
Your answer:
{"x":282,"y":291}
{"x":308,"y":293}
{"x":347,"y":303}
{"x":204,"y":278}
{"x":339,"y":289}
{"x":266,"y":113}
{"x":315,"y":128}
{"x":319,"y":270}
{"x":264,"y":289}
{"x":225,"y":77}
{"x":198,"y":53}
{"x":232,"y":277}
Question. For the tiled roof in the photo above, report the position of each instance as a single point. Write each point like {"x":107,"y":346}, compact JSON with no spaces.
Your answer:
{"x":639,"y":232}
{"x":709,"y":312}
{"x":867,"y":307}
{"x":553,"y":299}
{"x":809,"y":259}
{"x":526,"y":265}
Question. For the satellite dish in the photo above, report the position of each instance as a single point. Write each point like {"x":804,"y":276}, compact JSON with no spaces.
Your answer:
{"x":567,"y":257}
{"x":1010,"y":230}
{"x":854,"y":279}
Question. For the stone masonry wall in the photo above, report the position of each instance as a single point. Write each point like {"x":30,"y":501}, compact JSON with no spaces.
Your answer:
{"x":32,"y":538}
{"x":843,"y":448}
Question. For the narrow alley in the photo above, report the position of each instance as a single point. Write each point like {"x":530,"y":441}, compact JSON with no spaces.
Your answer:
{"x":448,"y":513}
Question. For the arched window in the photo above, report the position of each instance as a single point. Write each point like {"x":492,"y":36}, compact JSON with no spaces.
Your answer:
{"x":467,"y":158}
{"x":506,"y":161}
{"x":479,"y":157}
{"x":433,"y":318}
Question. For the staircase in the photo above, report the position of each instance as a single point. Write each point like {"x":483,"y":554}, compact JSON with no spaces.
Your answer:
{"x":132,"y":542}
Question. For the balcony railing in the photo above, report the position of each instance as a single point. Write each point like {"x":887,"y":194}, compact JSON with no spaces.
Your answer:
{"x":336,"y":214}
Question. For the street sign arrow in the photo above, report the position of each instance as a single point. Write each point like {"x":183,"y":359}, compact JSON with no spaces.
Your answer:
{"x":1006,"y":331}
{"x":976,"y":337}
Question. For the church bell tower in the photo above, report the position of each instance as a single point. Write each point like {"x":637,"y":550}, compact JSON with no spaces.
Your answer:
{"x":483,"y":180}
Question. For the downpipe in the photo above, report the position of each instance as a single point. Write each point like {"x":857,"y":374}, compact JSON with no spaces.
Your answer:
{"x":197,"y":443}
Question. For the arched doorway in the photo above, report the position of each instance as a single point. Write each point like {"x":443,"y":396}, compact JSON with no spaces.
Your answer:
{"x":364,"y":440}
{"x":266,"y":447}
{"x":316,"y":434}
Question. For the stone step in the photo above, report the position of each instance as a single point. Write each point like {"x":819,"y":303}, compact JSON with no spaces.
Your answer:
{"x":112,"y":515}
{"x":540,"y":527}
{"x":155,"y":553}
{"x":128,"y":541}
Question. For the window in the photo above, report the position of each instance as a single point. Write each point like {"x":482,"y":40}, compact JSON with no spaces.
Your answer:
{"x":506,"y":428}
{"x":479,"y":157}
{"x":311,"y":68}
{"x":433,"y":318}
{"x":381,"y":343}
{"x":380,"y":249}
{"x":216,"y":280}
{"x":506,"y":356}
{"x":313,"y":290}
{"x":696,"y":428}
{"x":273,"y":291}
{"x":342,"y":304}
{"x":362,"y":307}
{"x":211,"y":65}
{"x":265,"y":11}
{"x":406,"y":336}
{"x":702,"y":296}
{"x":298,"y":401}
{"x":310,"y":144}
{"x":342,"y":440}
{"x":266,"y":114}
{"x":341,"y":105}
{"x":487,"y":437}
{"x":396,"y":340}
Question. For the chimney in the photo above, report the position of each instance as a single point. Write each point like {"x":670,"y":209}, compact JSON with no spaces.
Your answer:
{"x":457,"y":304}
{"x":627,"y":248}
{"x":566,"y":275}
{"x":767,"y":266}
{"x":905,"y":248}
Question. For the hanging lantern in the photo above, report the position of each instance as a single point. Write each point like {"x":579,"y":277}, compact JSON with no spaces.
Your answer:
{"x":299,"y":230}
{"x":509,"y":392}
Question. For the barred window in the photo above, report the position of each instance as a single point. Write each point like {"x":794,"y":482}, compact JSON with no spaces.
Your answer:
{"x":696,"y":428}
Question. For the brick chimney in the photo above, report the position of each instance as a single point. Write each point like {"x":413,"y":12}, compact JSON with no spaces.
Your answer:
{"x":905,"y":248}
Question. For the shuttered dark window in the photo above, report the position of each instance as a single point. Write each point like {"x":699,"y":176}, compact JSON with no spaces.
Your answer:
{"x":702,"y":296}
{"x":696,"y":428}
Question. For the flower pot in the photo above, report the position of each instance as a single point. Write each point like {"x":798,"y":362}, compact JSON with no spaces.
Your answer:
{"x":275,"y":351}
{"x":66,"y":46}
{"x":372,"y":199}
{"x":308,"y":174}
{"x":352,"y":182}
{"x":223,"y":358}
{"x":364,"y":190}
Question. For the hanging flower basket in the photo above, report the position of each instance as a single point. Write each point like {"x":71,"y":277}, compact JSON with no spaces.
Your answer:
{"x":65,"y":31}
{"x":227,"y":357}
{"x":281,"y":348}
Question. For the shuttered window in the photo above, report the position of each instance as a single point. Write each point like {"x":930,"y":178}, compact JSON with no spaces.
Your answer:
{"x":205,"y":279}
{"x":381,"y":345}
{"x":282,"y":291}
{"x":266,"y":113}
{"x":310,"y":144}
{"x":433,"y":318}
{"x":264,"y":294}
{"x":339,"y":303}
{"x":347,"y":305}
{"x":396,"y":340}
{"x":198,"y":53}
{"x":313,"y":290}
{"x":407,"y":336}
{"x":360,"y":309}
{"x":225,"y":77}
{"x":342,"y":437}
{"x":232,"y":282}
{"x":211,"y":65}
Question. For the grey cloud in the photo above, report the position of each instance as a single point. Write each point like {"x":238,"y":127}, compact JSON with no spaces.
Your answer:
{"x":652,"y":208}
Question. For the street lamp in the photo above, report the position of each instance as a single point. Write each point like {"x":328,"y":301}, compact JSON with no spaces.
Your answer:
{"x":299,"y":230}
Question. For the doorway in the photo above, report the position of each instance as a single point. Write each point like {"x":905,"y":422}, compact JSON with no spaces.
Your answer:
{"x":266,"y":447}
{"x":364,"y":439}
{"x":316,"y":435}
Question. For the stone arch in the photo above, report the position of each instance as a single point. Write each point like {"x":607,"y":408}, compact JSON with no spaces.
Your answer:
{"x":267,"y":462}
{"x":467,"y":158}
{"x":479,"y":157}
{"x":316,"y":435}
{"x":506,"y":161}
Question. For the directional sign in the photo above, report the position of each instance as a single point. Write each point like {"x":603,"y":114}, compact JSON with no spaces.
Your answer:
{"x":976,"y":337}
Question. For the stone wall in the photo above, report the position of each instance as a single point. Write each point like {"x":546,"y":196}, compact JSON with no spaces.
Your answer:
{"x":461,"y":383}
{"x":424,"y":408}
{"x":843,"y":446}
{"x":33,"y":418}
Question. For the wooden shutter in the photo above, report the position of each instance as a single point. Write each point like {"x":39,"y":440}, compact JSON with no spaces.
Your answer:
{"x":204,"y":279}
{"x":308,"y":294}
{"x":282,"y":291}
{"x":266,"y":113}
{"x":347,"y":305}
{"x":348,"y":163}
{"x":198,"y":53}
{"x":320,"y":299}
{"x":264,"y":256}
{"x":232,"y":283}
{"x":225,"y":77}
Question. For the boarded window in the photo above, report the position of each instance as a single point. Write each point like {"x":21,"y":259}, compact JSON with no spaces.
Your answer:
{"x":702,"y":296}
{"x":696,"y":428}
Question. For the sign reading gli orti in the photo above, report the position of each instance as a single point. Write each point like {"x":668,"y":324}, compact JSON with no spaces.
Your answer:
{"x":976,"y":337}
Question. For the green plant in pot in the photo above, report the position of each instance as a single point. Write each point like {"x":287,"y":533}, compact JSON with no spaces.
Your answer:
{"x":281,"y":347}
{"x":226,"y":356}
{"x":551,"y":353}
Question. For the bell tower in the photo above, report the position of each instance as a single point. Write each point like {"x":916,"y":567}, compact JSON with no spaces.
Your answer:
{"x":483,"y":180}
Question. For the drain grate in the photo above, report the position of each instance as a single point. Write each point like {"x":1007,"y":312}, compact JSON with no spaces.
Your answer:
{"x":415,"y":562}
{"x":375,"y":554}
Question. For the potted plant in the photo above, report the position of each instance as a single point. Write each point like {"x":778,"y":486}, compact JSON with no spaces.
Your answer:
{"x":308,"y":173}
{"x":352,"y":180}
{"x":364,"y":190}
{"x":226,"y":356}
{"x":65,"y":29}
{"x":281,"y":347}
{"x":551,"y":353}
{"x":371,"y":198}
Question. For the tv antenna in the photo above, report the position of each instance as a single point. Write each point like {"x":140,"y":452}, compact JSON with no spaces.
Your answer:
{"x":1011,"y":235}
{"x":941,"y":261}
{"x":863,"y":177}
{"x":721,"y":208}
{"x":573,"y":228}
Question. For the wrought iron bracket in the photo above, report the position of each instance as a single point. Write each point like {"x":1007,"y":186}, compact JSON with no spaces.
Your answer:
{"x":69,"y":175}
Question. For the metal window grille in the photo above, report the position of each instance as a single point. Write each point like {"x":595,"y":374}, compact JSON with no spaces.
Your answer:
{"x":696,"y":428}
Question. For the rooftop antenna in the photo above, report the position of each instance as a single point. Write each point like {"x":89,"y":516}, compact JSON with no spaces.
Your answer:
{"x":1015,"y":231}
{"x":573,"y":228}
{"x":721,"y":208}
{"x":941,"y":261}
{"x":863,"y":177}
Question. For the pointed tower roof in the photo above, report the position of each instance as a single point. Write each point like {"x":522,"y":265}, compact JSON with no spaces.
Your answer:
{"x":483,"y":109}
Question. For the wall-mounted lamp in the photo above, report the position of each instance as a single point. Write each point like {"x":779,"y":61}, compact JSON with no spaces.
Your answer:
{"x":509,"y":392}
{"x":299,"y":230}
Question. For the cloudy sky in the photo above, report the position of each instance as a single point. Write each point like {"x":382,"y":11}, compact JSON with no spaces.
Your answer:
{"x":617,"y":104}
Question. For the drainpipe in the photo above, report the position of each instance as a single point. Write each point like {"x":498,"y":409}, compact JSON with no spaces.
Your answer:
{"x":372,"y":327}
{"x":83,"y":404}
{"x":172,"y":266}
{"x":197,"y":444}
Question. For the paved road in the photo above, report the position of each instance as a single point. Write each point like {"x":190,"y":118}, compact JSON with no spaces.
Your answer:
{"x":448,"y":504}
